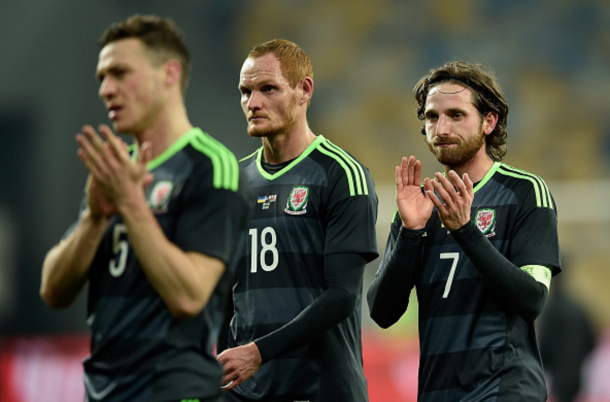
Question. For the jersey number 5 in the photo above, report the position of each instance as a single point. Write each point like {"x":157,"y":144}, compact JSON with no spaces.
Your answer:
{"x":455,"y":257}
{"x":120,"y":248}
{"x":268,"y":240}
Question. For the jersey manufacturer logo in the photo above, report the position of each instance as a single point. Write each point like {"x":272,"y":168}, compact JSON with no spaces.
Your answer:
{"x":266,"y":200}
{"x":486,"y":221}
{"x":297,"y":201}
{"x":159,"y":196}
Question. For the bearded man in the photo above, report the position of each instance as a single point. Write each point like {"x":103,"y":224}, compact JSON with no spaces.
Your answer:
{"x":479,"y":243}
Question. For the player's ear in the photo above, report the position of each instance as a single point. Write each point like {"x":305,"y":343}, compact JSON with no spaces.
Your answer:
{"x":173,"y":70}
{"x":489,"y":122}
{"x":306,"y":87}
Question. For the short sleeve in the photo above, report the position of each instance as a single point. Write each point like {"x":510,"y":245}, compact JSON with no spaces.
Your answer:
{"x":211,"y":219}
{"x":351,"y":220}
{"x":535,"y":239}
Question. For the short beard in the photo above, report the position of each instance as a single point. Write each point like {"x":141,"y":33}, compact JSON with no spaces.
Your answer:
{"x":458,"y":156}
{"x":256,"y":132}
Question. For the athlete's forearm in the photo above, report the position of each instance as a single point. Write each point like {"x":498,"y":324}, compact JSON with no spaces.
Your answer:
{"x":388,"y":296}
{"x":515,"y":288}
{"x":66,"y":266}
{"x":344,"y":279}
{"x":184,"y":280}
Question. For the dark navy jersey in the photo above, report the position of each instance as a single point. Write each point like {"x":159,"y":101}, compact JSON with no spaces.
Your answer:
{"x":139,"y":351}
{"x":322,"y":203}
{"x":472,"y":348}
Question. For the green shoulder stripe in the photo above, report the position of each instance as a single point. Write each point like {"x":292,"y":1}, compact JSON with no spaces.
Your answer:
{"x":224,"y":162}
{"x":353,"y":170}
{"x":543,"y":195}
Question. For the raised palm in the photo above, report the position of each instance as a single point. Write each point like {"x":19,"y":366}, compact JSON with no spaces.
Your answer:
{"x":113,"y":174}
{"x":414,"y":207}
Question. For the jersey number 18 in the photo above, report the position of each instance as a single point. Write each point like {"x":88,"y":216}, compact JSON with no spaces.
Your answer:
{"x":268,"y":240}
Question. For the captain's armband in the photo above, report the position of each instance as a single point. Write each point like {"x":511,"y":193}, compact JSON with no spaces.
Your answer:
{"x":540,"y":273}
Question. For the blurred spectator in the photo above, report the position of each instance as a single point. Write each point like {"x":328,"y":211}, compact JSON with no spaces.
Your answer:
{"x":8,"y":234}
{"x":566,"y":336}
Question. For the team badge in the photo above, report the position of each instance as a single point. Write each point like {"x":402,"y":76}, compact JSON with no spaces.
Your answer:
{"x":159,"y":196}
{"x":486,"y":221}
{"x":266,"y":200}
{"x":297,"y":201}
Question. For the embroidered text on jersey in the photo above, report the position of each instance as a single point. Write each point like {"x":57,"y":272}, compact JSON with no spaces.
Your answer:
{"x":266,"y":200}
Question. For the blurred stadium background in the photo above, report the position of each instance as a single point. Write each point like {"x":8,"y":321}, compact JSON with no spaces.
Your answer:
{"x":552,"y":58}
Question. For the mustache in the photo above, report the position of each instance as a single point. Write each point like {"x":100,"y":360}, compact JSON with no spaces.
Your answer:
{"x":444,"y":141}
{"x":251,"y":115}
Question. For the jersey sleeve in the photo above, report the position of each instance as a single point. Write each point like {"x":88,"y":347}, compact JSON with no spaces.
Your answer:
{"x":212,"y":218}
{"x":535,"y":239}
{"x":388,"y":295}
{"x":351,"y":217}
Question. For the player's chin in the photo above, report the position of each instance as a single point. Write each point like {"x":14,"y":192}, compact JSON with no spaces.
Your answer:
{"x":257,"y":132}
{"x":121,"y":128}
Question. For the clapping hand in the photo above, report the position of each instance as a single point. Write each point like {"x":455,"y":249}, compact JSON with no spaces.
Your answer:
{"x":414,"y":206}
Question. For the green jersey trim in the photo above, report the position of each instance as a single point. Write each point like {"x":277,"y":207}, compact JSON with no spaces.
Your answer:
{"x":292,"y":164}
{"x":250,"y":156}
{"x":540,"y":273}
{"x":224,"y":162}
{"x":492,"y":170}
{"x":171,"y":151}
{"x":543,"y":195}
{"x":396,"y":214}
{"x":353,"y":170}
{"x":356,"y":177}
{"x":133,"y":151}
{"x":165,"y":155}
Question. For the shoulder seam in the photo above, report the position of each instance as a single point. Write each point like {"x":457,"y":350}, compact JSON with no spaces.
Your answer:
{"x":224,"y":163}
{"x":543,"y":195}
{"x":356,"y":177}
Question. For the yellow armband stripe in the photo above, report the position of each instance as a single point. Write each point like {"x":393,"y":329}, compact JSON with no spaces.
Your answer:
{"x":540,"y":273}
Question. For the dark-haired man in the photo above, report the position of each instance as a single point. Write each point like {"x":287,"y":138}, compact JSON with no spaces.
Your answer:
{"x":479,"y":243}
{"x":157,"y":230}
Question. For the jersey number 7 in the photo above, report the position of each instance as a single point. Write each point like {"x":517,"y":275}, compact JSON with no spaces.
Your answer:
{"x":455,"y":257}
